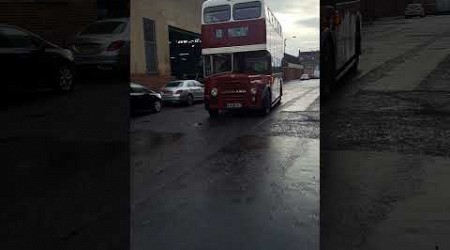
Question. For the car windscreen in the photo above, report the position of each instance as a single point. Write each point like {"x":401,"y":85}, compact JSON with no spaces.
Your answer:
{"x":253,"y":62}
{"x":103,"y":28}
{"x":217,"y":14}
{"x":243,"y":11}
{"x":174,"y":84}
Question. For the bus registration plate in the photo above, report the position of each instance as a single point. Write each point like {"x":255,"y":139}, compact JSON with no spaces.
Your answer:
{"x":234,"y":105}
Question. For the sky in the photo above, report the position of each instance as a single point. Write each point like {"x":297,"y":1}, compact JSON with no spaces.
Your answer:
{"x":299,"y":18}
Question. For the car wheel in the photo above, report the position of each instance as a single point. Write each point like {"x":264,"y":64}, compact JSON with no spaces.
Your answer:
{"x":157,"y":105}
{"x":189,"y":100}
{"x":64,"y":79}
{"x":213,"y":113}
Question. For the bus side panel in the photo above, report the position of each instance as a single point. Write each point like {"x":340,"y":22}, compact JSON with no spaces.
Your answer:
{"x":275,"y":46}
{"x":345,"y":33}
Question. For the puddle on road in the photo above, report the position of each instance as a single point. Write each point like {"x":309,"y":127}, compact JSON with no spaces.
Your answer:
{"x":249,"y":165}
{"x":148,"y":139}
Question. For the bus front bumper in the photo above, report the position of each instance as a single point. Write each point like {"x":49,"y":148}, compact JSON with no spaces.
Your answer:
{"x":218,"y":103}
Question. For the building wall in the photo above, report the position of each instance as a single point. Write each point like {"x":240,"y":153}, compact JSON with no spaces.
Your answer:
{"x":56,"y":21}
{"x":292,"y":74}
{"x":184,"y":14}
{"x":310,"y":61}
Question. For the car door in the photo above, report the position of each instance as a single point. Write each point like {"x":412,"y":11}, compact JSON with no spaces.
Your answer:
{"x":191,"y":89}
{"x":150,"y":98}
{"x":200,"y":89}
{"x":138,"y":98}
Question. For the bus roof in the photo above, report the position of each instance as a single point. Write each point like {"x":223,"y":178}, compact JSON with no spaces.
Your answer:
{"x":210,"y":3}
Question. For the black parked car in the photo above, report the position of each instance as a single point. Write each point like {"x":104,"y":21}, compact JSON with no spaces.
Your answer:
{"x":143,"y":99}
{"x":27,"y":60}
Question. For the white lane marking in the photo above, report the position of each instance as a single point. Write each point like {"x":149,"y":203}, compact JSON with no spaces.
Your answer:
{"x":304,"y":102}
{"x":292,"y":94}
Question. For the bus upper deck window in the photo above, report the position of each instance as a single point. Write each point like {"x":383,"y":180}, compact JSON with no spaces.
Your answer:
{"x":217,"y":14}
{"x":244,"y":11}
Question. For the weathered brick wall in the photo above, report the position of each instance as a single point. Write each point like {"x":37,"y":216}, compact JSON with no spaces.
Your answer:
{"x":56,"y":22}
{"x":292,"y":74}
{"x":150,"y":81}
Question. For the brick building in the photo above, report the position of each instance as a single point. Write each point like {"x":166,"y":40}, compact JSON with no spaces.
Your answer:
{"x":292,"y":70}
{"x":59,"y":20}
{"x":310,"y":61}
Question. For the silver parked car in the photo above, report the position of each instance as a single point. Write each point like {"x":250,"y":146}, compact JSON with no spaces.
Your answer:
{"x":415,"y":9}
{"x":183,"y":91}
{"x":104,"y":44}
{"x":304,"y":77}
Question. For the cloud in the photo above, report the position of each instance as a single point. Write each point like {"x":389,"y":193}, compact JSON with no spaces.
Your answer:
{"x":298,"y":18}
{"x":311,"y":22}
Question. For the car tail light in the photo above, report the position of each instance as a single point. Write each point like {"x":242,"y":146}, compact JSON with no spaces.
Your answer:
{"x":115,"y":46}
{"x":179,"y":91}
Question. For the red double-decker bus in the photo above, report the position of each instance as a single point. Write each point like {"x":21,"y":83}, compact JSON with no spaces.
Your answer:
{"x":242,"y":48}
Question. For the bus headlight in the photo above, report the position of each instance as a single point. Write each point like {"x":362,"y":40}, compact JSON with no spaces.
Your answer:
{"x":214,"y":92}
{"x":253,"y":91}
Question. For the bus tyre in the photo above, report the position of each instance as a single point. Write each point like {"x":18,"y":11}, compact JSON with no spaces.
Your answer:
{"x":328,"y":76}
{"x":213,"y":113}
{"x":354,"y":69}
{"x":267,"y":104}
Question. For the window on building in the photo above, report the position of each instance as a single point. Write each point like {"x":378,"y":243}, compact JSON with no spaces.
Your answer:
{"x":217,"y":14}
{"x":243,"y":11}
{"x":150,"y":45}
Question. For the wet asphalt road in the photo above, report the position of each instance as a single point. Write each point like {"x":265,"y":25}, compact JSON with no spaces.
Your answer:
{"x":64,"y":158}
{"x":241,"y":181}
{"x":386,"y":142}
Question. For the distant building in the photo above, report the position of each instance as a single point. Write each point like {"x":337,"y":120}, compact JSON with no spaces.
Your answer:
{"x":310,"y":61}
{"x":292,"y":70}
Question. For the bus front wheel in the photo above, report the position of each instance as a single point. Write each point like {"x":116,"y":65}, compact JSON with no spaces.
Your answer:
{"x":266,"y":104}
{"x":213,"y":113}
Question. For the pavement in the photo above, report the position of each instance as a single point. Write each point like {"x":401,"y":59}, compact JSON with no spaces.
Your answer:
{"x":64,"y":158}
{"x":385,"y":142}
{"x":240,"y":181}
